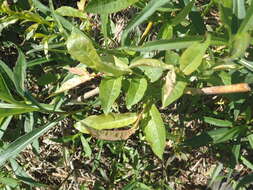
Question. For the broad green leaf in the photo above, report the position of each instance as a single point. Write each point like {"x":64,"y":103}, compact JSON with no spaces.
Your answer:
{"x":109,"y":121}
{"x":176,"y":93}
{"x":155,"y":132}
{"x":80,"y":48}
{"x":4,"y":124}
{"x":86,"y":146}
{"x":244,"y":180}
{"x":136,"y":91}
{"x":218,"y":122}
{"x":181,"y":16}
{"x":71,"y":12}
{"x":168,"y":86}
{"x":247,"y":21}
{"x":151,"y":7}
{"x":171,"y":57}
{"x":191,"y":59}
{"x":20,"y":144}
{"x":20,"y":72}
{"x":179,"y":43}
{"x":108,"y":6}
{"x":5,"y":94}
{"x":109,"y":90}
{"x":240,"y":43}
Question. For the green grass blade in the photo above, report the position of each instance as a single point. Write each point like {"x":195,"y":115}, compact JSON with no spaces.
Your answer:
{"x":18,"y":145}
{"x":247,"y":21}
{"x":3,"y":125}
{"x":20,"y":72}
{"x":151,"y":7}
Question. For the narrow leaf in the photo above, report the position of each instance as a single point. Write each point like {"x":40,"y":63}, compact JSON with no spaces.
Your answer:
{"x":19,"y":144}
{"x":250,"y":139}
{"x":244,"y":181}
{"x":86,"y":146}
{"x":136,"y":91}
{"x":192,"y":57}
{"x":240,"y":43}
{"x":181,"y":16}
{"x":155,"y":132}
{"x":109,"y":90}
{"x":168,"y":87}
{"x":3,"y":125}
{"x":20,"y":72}
{"x":218,"y":122}
{"x":151,"y":7}
{"x":110,"y":121}
{"x":247,"y":21}
{"x":5,"y":94}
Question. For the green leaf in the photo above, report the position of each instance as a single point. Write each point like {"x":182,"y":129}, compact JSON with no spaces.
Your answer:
{"x":247,"y":163}
{"x":108,"y":6}
{"x":230,"y":134}
{"x":155,"y":132}
{"x":86,"y":146}
{"x":179,"y":43}
{"x":226,"y":12}
{"x":136,"y":91}
{"x":4,"y":124}
{"x":176,"y":93}
{"x":9,"y":181}
{"x":5,"y":69}
{"x":110,"y":121}
{"x":239,"y":9}
{"x":192,"y":57}
{"x":71,"y":12}
{"x":247,"y":21}
{"x":22,"y":175}
{"x":20,"y":144}
{"x":109,"y":90}
{"x":240,"y":43}
{"x":250,"y":139}
{"x":244,"y":181}
{"x":20,"y":72}
{"x":218,"y":122}
{"x":181,"y":16}
{"x":14,"y":109}
{"x":5,"y":94}
{"x":168,"y":86}
{"x":80,"y":48}
{"x":151,"y":7}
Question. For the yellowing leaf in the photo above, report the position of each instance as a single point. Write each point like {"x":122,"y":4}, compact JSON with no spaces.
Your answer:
{"x":168,"y":87}
{"x":72,"y":83}
{"x":71,"y":12}
{"x":192,"y":57}
{"x":176,"y":93}
{"x":154,"y":131}
{"x":110,"y":121}
{"x":80,"y":48}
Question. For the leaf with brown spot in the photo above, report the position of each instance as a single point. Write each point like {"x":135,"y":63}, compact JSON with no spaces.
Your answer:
{"x":168,"y":87}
